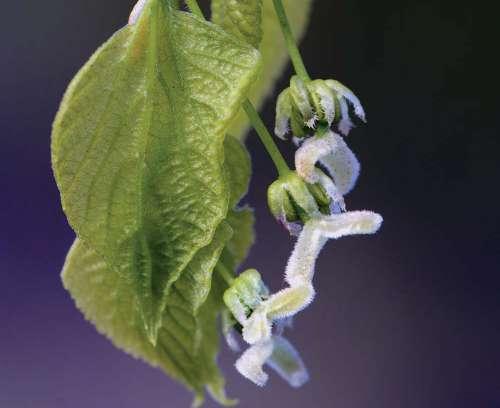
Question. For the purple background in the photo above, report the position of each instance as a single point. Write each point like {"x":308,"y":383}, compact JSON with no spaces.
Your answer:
{"x":408,"y":318}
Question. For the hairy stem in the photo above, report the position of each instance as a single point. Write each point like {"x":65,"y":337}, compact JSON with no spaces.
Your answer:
{"x":293,"y":50}
{"x":225,"y":274}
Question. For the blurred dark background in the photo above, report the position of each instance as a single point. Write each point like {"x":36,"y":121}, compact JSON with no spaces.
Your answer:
{"x":408,"y":318}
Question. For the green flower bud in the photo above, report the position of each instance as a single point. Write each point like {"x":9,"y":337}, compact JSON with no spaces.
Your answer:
{"x":245,"y":294}
{"x":293,"y":201}
{"x":305,"y":106}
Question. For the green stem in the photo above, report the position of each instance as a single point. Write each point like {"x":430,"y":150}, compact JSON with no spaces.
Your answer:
{"x":225,"y":274}
{"x":293,"y":50}
{"x":195,"y":8}
{"x":254,"y":116}
{"x":266,"y":138}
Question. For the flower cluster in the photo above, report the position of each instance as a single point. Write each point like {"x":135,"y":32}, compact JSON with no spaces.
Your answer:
{"x":242,"y":299}
{"x":310,"y":203}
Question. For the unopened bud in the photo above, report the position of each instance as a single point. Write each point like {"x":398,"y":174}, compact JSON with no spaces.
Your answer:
{"x":294,"y":201}
{"x":305,"y":106}
{"x":245,"y":294}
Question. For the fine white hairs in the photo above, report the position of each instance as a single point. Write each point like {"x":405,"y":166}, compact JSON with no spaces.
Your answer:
{"x":332,"y":152}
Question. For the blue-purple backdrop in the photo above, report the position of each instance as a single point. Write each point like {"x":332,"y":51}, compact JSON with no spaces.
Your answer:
{"x":409,"y":318}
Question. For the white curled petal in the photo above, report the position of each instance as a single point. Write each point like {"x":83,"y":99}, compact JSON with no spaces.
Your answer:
{"x":345,"y":123}
{"x":289,"y":301}
{"x":342,"y":165}
{"x":349,"y":223}
{"x":302,"y":262}
{"x":345,"y":92}
{"x":331,"y":189}
{"x":136,"y":12}
{"x":258,"y":326}
{"x":312,"y":150}
{"x":250,"y":364}
{"x":286,"y":361}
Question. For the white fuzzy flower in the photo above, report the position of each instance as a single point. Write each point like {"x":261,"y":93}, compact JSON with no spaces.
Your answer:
{"x":331,"y":151}
{"x":300,"y":269}
{"x":245,"y":294}
{"x":280,"y":355}
{"x":274,"y":350}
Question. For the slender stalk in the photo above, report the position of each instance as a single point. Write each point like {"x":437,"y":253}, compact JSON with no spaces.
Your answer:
{"x":293,"y":50}
{"x":195,"y":8}
{"x":253,"y":116}
{"x":266,"y":138}
{"x":225,"y":274}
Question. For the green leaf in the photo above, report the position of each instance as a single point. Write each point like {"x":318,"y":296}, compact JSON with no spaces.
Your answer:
{"x":272,"y":48}
{"x":242,"y":18}
{"x":238,"y":167}
{"x":241,"y":220}
{"x":137,"y":147}
{"x":187,"y":340}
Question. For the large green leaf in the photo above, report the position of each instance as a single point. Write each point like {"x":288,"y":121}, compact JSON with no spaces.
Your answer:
{"x":273,"y":49}
{"x":188,"y":340}
{"x":137,"y":147}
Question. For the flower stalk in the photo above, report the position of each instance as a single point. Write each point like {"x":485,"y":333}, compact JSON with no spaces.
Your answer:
{"x":266,"y":138}
{"x":293,"y":50}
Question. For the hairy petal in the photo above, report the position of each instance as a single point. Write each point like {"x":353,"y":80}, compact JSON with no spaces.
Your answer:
{"x":301,"y":267}
{"x":250,"y":364}
{"x":310,"y":152}
{"x":343,"y":165}
{"x":286,"y":361}
{"x":349,"y":95}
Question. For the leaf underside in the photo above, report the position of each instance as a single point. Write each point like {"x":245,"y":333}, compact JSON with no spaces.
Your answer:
{"x":137,"y":147}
